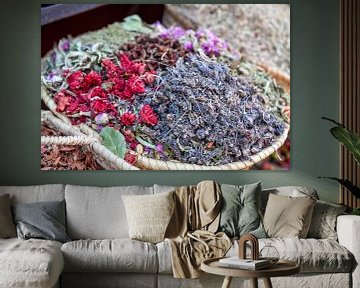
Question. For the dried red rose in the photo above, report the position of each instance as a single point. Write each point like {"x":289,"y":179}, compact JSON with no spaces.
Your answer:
{"x":99,"y":106}
{"x":128,"y":118}
{"x":62,"y":101}
{"x":130,"y":158}
{"x":148,"y":116}
{"x":93,"y":79}
{"x":77,"y":81}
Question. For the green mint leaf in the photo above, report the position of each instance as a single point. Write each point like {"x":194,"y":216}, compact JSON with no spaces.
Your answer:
{"x":114,"y":141}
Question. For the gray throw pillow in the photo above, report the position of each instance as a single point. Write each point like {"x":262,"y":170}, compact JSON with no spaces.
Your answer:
{"x":44,"y":220}
{"x":323,"y":222}
{"x":240,"y":213}
{"x":7,"y":227}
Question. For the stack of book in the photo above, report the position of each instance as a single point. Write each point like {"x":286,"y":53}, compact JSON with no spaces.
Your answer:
{"x":248,"y":264}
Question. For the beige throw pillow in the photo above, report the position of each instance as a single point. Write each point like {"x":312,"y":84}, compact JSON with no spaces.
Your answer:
{"x":149,"y":215}
{"x":7,"y":226}
{"x":288,"y":217}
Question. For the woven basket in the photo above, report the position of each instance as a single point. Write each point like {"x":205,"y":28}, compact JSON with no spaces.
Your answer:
{"x":103,"y":156}
{"x":112,"y":162}
{"x":152,"y":164}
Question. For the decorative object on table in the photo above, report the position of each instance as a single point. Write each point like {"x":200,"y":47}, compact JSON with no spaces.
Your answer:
{"x":270,"y":253}
{"x":248,"y":264}
{"x":148,"y":96}
{"x":254,"y":246}
{"x":351,"y":141}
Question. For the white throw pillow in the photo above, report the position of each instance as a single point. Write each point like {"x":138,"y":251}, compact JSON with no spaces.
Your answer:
{"x":149,"y":215}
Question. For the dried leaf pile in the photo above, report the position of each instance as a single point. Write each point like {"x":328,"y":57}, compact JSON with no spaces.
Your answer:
{"x":65,"y":157}
{"x":260,"y":32}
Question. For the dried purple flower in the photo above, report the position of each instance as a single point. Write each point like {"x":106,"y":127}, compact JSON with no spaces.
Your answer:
{"x":207,"y":116}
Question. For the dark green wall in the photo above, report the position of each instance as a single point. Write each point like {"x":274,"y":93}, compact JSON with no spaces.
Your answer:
{"x":314,"y":80}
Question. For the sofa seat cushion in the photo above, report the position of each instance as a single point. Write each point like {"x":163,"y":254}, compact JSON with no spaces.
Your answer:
{"x":115,"y":255}
{"x":313,"y":255}
{"x":30,"y":263}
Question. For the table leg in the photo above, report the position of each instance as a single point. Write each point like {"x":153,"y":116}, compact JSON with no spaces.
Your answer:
{"x":254,"y":282}
{"x":267,"y":283}
{"x":227,"y":282}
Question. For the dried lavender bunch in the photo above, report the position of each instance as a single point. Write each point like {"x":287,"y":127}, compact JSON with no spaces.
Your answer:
{"x":155,"y":52}
{"x":207,"y":116}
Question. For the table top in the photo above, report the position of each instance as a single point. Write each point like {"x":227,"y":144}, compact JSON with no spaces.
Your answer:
{"x":281,"y":268}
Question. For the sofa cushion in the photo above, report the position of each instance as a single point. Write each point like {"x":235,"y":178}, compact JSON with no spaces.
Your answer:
{"x":290,"y":191}
{"x":117,"y":255}
{"x":35,"y":193}
{"x":98,"y":213}
{"x":240,"y":210}
{"x":323,"y":222}
{"x":7,"y":226}
{"x":287,"y":216}
{"x":313,"y":255}
{"x":43,"y":220}
{"x":30,"y":263}
{"x":149,"y":215}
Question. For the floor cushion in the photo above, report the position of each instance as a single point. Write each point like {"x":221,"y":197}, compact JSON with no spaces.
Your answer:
{"x":115,"y":255}
{"x":30,"y":263}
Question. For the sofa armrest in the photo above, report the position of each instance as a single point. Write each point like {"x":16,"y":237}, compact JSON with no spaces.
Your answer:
{"x":348,"y":230}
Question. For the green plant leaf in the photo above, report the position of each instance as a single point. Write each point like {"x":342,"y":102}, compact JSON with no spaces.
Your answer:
{"x":355,"y":211}
{"x":114,"y":141}
{"x":347,"y":184}
{"x":348,"y":138}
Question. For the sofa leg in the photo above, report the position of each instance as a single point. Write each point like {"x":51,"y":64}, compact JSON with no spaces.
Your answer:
{"x":267,"y":282}
{"x":227,"y":282}
{"x":254,"y":282}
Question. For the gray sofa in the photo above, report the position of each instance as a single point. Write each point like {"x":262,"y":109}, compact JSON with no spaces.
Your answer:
{"x":101,"y":254}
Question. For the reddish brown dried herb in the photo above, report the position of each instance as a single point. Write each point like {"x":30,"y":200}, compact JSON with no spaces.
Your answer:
{"x":65,"y":157}
{"x":155,"y":52}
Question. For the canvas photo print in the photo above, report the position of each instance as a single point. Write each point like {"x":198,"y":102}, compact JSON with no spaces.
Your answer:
{"x":167,"y":87}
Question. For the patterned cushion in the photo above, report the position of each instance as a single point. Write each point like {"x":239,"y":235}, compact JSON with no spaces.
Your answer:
{"x":323,"y":222}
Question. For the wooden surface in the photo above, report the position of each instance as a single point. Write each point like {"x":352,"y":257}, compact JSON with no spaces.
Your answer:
{"x":349,"y":92}
{"x":282,"y":268}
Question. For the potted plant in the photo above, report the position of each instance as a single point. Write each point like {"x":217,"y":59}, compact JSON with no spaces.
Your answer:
{"x":351,"y":141}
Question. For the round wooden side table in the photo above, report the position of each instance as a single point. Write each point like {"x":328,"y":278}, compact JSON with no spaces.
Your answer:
{"x":281,"y":268}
